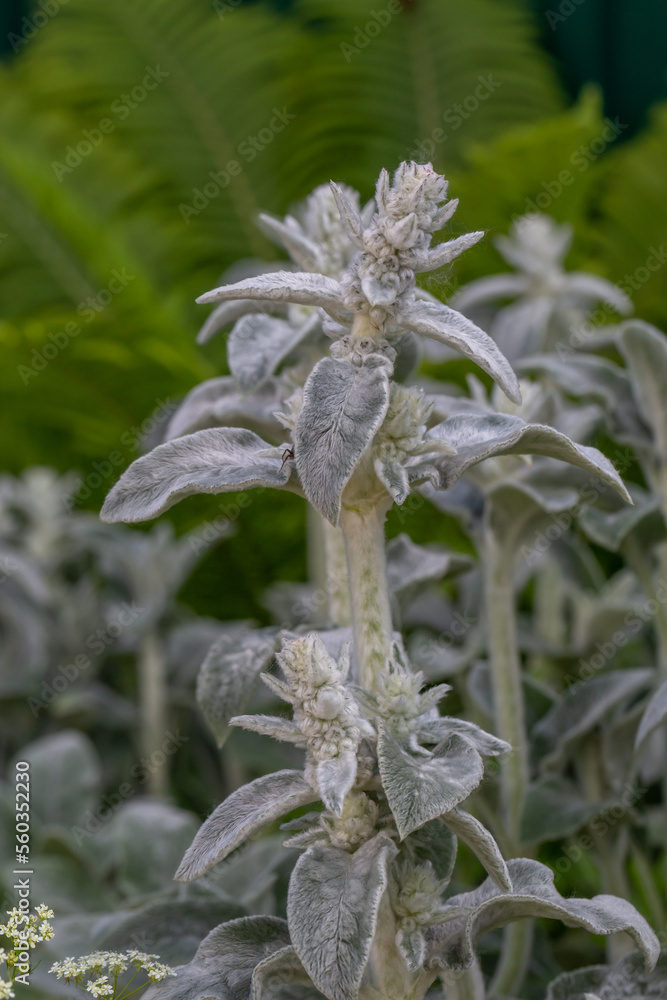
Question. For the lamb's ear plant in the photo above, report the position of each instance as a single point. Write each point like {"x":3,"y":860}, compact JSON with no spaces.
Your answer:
{"x":550,"y":302}
{"x":381,"y":801}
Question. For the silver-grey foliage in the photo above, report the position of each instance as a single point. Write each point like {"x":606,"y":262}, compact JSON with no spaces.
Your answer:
{"x":338,"y":895}
{"x":386,"y":776}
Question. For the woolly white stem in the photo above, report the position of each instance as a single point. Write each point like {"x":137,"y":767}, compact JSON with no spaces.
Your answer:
{"x":506,"y":681}
{"x":152,"y":709}
{"x":510,"y":726}
{"x":340,"y":611}
{"x":363,"y":530}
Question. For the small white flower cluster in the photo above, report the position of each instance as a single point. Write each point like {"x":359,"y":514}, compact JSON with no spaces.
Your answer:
{"x":324,"y":709}
{"x":25,"y":931}
{"x":76,"y":970}
{"x":416,"y":895}
{"x":399,"y":699}
{"x":381,"y":279}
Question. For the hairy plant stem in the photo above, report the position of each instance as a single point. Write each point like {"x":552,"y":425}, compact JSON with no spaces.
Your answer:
{"x":152,"y":709}
{"x":363,"y":530}
{"x":506,"y":682}
{"x":510,"y":726}
{"x":640,"y":561}
{"x":609,"y":848}
{"x":387,"y":975}
{"x":338,"y":591}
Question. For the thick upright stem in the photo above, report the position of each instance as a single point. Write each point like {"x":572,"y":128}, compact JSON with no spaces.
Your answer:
{"x":338,"y":591}
{"x":327,"y":568}
{"x":506,"y":682}
{"x":363,"y":530}
{"x":153,"y":711}
{"x":510,"y":726}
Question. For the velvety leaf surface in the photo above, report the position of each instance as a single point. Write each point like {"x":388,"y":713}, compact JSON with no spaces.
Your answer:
{"x":420,"y":787}
{"x":626,"y":979}
{"x":225,"y":960}
{"x":280,"y":970}
{"x":434,"y":842}
{"x":343,"y":407}
{"x":533,"y":895}
{"x":241,"y":814}
{"x":217,"y":402}
{"x":332,"y":911}
{"x":436,"y":730}
{"x":258,"y":344}
{"x":481,"y":842}
{"x":230,"y":672}
{"x":477,"y":438}
{"x":449,"y":327}
{"x":229,"y":312}
{"x":283,"y":286}
{"x":217,"y":460}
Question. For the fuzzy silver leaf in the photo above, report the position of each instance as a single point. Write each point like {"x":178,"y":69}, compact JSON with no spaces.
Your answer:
{"x":217,"y":460}
{"x":241,"y":815}
{"x":343,"y":407}
{"x":421,"y":786}
{"x":337,"y":895}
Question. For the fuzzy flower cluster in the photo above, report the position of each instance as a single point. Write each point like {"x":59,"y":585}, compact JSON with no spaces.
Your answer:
{"x":357,"y":823}
{"x":98,"y":972}
{"x":321,"y":222}
{"x":324,"y":709}
{"x":380,"y":282}
{"x":399,"y":699}
{"x":416,"y":894}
